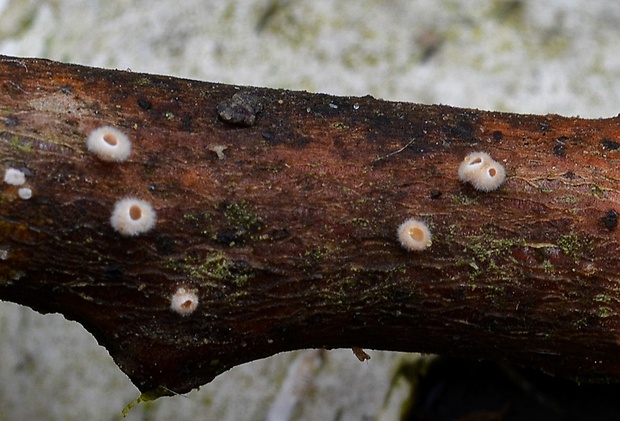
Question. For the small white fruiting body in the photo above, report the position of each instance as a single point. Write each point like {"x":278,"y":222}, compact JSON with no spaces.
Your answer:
{"x":109,"y":144}
{"x":133,"y":216}
{"x":14,"y":177}
{"x":218,"y":150}
{"x":482,"y":171}
{"x":414,"y":234}
{"x":24,"y":193}
{"x":184,"y":301}
{"x":472,"y":164}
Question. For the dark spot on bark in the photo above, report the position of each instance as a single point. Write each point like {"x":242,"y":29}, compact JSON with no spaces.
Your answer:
{"x":399,"y":296}
{"x":498,"y":135}
{"x":435,"y":194}
{"x":544,"y":127}
{"x":591,"y":320}
{"x":278,"y":234}
{"x":341,"y":147}
{"x":241,"y":109}
{"x":559,"y":149}
{"x":380,"y":121}
{"x":315,"y":320}
{"x":230,"y":236}
{"x":144,"y":104}
{"x":417,"y":147}
{"x":281,"y":330}
{"x":186,"y":123}
{"x":114,"y":273}
{"x":462,"y":129}
{"x":26,"y":171}
{"x":10,"y":121}
{"x":301,"y":141}
{"x":610,"y":220}
{"x":287,"y":138}
{"x":610,"y":145}
{"x":569,"y":174}
{"x":164,"y":244}
{"x":459,"y":294}
{"x":219,"y":295}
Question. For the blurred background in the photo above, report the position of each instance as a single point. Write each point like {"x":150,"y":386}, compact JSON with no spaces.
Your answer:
{"x":557,"y":56}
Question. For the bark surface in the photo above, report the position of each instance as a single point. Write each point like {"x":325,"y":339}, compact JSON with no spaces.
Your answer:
{"x":280,"y":210}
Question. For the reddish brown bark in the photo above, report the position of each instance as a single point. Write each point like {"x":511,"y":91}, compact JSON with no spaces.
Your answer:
{"x":290,"y":238}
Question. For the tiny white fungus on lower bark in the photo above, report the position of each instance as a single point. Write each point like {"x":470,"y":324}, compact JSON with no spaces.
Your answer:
{"x":184,"y":301}
{"x":14,"y":177}
{"x":133,"y":216}
{"x":414,"y":235}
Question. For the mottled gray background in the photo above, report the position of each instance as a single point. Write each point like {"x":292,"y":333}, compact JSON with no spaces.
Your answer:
{"x":556,"y":56}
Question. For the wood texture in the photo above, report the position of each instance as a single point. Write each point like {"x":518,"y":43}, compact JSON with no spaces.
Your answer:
{"x":288,"y":235}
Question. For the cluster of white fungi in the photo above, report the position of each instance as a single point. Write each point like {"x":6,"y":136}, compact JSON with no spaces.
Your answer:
{"x":478,"y":169}
{"x":132,"y":216}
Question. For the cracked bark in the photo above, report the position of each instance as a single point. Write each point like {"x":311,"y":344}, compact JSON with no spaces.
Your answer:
{"x":280,"y":209}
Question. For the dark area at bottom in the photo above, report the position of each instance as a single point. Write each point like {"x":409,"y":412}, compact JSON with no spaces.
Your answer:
{"x":464,"y":390}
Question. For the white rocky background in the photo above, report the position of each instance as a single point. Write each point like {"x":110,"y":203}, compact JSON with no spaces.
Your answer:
{"x":556,"y":56}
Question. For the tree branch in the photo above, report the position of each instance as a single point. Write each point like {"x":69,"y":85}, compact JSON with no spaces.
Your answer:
{"x":279,"y":211}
